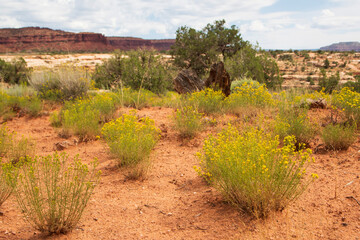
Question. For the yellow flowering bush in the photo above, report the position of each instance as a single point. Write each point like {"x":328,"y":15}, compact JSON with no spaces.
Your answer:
{"x":13,"y":149}
{"x":348,"y":101}
{"x":187,"y":121}
{"x":53,"y":193}
{"x":293,"y":121}
{"x":131,"y":140}
{"x":301,"y":99}
{"x":252,"y":171}
{"x":83,"y":116}
{"x":249,"y":94}
{"x":207,"y":101}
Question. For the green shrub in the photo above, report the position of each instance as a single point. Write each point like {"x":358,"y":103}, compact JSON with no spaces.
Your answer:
{"x":250,"y":62}
{"x":9,"y":104}
{"x":141,"y":69}
{"x":6,"y":140}
{"x":20,"y":90}
{"x":130,"y":140}
{"x":252,"y":171}
{"x":30,"y":105}
{"x":328,"y":84}
{"x":6,"y":170}
{"x":355,"y":86}
{"x":12,"y":149}
{"x":53,"y":194}
{"x":14,"y":72}
{"x":239,"y":83}
{"x":81,"y":119}
{"x":137,"y":99}
{"x":84,"y":116}
{"x":187,"y":121}
{"x":64,"y":83}
{"x":55,"y":119}
{"x":294,"y":122}
{"x":338,"y":137}
{"x":207,"y":101}
{"x":286,"y":57}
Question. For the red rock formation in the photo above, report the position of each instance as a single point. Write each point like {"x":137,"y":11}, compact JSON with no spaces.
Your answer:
{"x":45,"y":39}
{"x":343,"y":46}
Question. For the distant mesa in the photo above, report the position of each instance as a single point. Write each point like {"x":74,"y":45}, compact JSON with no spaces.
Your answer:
{"x":343,"y":47}
{"x":33,"y":39}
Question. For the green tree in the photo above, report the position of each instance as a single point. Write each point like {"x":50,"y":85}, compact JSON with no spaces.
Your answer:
{"x":248,"y":63}
{"x":326,"y":63}
{"x":227,"y":40}
{"x":328,"y":84}
{"x":199,"y":49}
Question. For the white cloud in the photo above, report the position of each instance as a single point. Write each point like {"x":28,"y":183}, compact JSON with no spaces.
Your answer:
{"x":327,"y":13}
{"x":160,"y":19}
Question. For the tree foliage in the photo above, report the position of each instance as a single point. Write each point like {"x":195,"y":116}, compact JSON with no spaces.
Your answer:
{"x":328,"y":83}
{"x":199,"y":49}
{"x":254,"y":64}
{"x":14,"y":72}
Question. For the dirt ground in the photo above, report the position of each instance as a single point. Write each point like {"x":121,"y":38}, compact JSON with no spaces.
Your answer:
{"x":174,"y":203}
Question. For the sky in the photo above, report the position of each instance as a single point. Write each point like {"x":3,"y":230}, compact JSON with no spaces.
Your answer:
{"x":273,"y":24}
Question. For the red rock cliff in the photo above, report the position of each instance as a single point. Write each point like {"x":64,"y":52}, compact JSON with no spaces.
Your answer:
{"x":45,"y":39}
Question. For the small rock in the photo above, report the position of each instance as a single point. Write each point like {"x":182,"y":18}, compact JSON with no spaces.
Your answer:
{"x":62,"y":145}
{"x":344,"y":224}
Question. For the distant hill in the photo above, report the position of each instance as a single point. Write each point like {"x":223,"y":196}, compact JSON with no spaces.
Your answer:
{"x":343,"y":46}
{"x":32,"y":39}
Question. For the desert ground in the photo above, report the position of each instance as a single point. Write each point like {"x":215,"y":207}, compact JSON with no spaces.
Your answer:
{"x":173,"y":202}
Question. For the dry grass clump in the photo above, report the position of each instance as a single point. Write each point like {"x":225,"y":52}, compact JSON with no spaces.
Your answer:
{"x":52,"y":194}
{"x":338,"y":137}
{"x":187,"y":121}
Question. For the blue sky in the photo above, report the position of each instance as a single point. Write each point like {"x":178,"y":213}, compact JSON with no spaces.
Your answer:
{"x":274,"y":24}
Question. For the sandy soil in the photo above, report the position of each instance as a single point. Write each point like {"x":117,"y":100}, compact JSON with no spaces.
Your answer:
{"x":87,"y":60}
{"x":174,"y":203}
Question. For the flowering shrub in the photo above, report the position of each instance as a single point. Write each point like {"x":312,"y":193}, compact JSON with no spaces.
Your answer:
{"x":130,"y":140}
{"x":12,"y":149}
{"x":52,"y":194}
{"x":187,"y":121}
{"x":83,"y":117}
{"x":248,"y":94}
{"x":292,"y":121}
{"x":207,"y":101}
{"x":252,"y":171}
{"x":348,"y":101}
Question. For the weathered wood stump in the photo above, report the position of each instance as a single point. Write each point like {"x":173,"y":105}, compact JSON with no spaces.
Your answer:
{"x":187,"y":81}
{"x":219,"y":78}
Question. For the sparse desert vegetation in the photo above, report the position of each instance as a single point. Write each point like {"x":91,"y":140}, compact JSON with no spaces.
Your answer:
{"x":265,"y":162}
